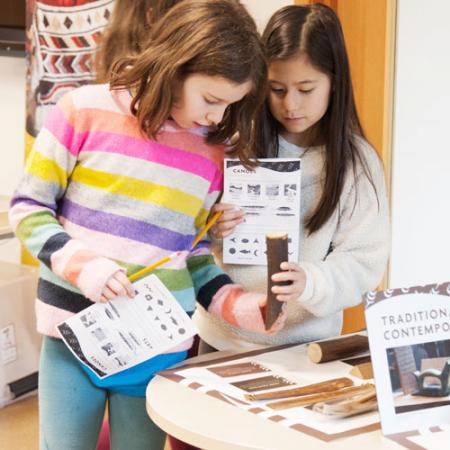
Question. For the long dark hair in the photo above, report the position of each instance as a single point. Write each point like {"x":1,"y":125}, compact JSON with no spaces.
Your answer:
{"x":315,"y":31}
{"x":209,"y":37}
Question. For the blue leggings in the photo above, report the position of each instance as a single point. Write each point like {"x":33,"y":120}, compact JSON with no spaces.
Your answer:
{"x":71,"y":408}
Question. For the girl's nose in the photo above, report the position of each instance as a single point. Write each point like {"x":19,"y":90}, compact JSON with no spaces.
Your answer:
{"x":214,"y":117}
{"x":210,"y":119}
{"x":290,"y":102}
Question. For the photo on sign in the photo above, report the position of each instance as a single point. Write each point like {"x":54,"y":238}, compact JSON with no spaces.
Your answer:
{"x":419,"y":375}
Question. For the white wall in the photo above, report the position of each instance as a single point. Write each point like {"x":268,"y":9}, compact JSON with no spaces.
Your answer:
{"x":421,"y":147}
{"x":12,"y":129}
{"x":12,"y":121}
{"x":261,"y":10}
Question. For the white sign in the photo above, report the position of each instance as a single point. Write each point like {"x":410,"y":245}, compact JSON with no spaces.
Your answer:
{"x":270,"y":197}
{"x":114,"y":336}
{"x":409,"y":337}
{"x":8,"y":346}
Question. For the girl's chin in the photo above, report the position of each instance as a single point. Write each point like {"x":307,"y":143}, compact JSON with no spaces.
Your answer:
{"x":294,"y":128}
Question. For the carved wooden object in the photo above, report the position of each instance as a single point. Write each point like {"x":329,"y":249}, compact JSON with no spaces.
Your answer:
{"x":335,"y":349}
{"x":363,"y":371}
{"x":316,"y":388}
{"x":348,"y":407}
{"x":323,"y":397}
{"x":277,"y":252}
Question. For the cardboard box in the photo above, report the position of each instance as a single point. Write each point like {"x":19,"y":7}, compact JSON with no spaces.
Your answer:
{"x":19,"y":341}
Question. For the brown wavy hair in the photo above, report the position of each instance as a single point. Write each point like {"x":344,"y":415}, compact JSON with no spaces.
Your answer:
{"x":315,"y":31}
{"x":209,"y":37}
{"x":127,"y":31}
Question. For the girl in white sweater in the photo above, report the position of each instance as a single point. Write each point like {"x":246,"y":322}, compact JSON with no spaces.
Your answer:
{"x":344,"y":239}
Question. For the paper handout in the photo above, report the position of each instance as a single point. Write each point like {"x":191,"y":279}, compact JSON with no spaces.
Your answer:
{"x":114,"y":336}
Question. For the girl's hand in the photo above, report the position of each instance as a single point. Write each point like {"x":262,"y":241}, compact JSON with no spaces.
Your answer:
{"x":293,"y":273}
{"x":117,"y":286}
{"x":231,"y":217}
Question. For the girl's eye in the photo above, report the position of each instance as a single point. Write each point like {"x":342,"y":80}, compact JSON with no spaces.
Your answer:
{"x":210,"y":102}
{"x":305,"y":91}
{"x":277,"y":91}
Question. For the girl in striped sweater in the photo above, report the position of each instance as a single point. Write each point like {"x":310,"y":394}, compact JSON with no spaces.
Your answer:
{"x":121,"y":175}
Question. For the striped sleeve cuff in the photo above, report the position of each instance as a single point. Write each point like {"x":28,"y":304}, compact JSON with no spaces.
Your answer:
{"x":239,"y":308}
{"x":83,"y":268}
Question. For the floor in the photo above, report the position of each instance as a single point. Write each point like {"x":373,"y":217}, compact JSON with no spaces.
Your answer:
{"x":19,"y":425}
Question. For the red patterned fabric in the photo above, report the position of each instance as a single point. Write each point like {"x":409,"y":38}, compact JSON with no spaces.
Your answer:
{"x":62,"y":36}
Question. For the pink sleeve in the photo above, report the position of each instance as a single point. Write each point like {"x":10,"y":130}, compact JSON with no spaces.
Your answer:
{"x":83,"y":268}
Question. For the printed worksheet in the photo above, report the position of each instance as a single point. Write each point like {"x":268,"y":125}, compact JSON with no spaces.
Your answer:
{"x":270,"y":197}
{"x":114,"y":336}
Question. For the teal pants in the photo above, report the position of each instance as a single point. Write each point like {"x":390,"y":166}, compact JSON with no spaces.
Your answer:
{"x":71,"y":408}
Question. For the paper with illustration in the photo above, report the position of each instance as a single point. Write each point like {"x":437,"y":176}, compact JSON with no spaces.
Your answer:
{"x":270,"y":197}
{"x":114,"y":336}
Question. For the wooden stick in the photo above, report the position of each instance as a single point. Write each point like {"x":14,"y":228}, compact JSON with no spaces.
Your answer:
{"x":277,"y":252}
{"x":162,"y":261}
{"x":366,"y":397}
{"x":316,"y":398}
{"x":363,"y":371}
{"x":324,"y":386}
{"x":334,"y":349}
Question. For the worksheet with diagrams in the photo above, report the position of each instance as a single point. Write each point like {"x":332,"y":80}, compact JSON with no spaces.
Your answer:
{"x":270,"y":197}
{"x":114,"y":336}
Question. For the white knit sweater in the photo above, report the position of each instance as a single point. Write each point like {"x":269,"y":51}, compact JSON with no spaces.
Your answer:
{"x":358,"y":234}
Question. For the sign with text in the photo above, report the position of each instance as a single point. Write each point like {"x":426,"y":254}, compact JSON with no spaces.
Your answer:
{"x":409,"y":338}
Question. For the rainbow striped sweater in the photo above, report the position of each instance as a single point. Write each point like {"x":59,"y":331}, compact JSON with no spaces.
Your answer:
{"x":98,"y":196}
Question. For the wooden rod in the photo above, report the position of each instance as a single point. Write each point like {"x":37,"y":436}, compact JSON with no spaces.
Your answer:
{"x":277,"y":252}
{"x":323,"y":397}
{"x":316,"y":388}
{"x":334,"y":349}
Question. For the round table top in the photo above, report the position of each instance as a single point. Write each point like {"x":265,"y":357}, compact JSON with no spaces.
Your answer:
{"x":212,"y":424}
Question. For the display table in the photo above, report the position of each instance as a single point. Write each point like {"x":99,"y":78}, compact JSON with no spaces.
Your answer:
{"x":210,"y":423}
{"x":195,"y":402}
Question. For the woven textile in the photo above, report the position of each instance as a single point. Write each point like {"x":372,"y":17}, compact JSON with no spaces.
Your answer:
{"x":62,"y":38}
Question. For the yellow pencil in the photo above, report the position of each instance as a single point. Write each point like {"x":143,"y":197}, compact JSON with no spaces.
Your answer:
{"x":145,"y":270}
{"x":162,"y":261}
{"x":206,"y":228}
